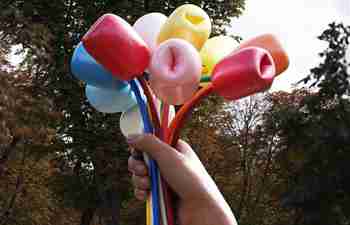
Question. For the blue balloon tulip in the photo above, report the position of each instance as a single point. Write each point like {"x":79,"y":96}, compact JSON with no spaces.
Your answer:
{"x":85,"y":68}
{"x":110,"y":101}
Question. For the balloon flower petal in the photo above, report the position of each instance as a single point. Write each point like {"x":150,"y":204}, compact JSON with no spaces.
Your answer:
{"x":85,"y":68}
{"x":110,"y":101}
{"x":243,"y":73}
{"x":148,"y":27}
{"x":131,"y":120}
{"x":215,"y":49}
{"x":175,"y":71}
{"x":273,"y":46}
{"x":188,"y":22}
{"x":116,"y":45}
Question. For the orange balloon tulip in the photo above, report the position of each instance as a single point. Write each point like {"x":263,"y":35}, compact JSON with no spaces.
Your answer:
{"x":273,"y":46}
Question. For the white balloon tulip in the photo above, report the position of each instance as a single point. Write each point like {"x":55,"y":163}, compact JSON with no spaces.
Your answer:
{"x":148,"y":27}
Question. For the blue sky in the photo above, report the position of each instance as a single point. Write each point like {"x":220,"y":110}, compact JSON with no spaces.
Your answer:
{"x":297,"y":23}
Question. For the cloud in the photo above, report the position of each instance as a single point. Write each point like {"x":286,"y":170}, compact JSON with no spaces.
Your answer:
{"x":297,"y":24}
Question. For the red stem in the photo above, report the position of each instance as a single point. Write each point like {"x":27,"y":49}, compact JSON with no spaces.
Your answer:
{"x":185,"y":110}
{"x":152,"y":106}
{"x":168,"y":194}
{"x":165,"y":120}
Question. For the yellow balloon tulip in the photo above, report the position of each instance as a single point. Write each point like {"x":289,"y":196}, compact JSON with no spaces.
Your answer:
{"x":214,"y":50}
{"x":188,"y":22}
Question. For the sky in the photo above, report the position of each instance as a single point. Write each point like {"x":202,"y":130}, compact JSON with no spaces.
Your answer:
{"x":296,"y":23}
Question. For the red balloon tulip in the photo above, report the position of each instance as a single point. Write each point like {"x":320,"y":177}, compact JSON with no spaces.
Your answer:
{"x":270,"y":43}
{"x":116,"y":45}
{"x":243,"y":73}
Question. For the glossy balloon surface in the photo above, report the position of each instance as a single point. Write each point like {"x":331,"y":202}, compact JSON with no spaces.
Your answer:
{"x":243,"y":73}
{"x":188,"y":22}
{"x":171,"y":110}
{"x":116,"y":45}
{"x":85,"y":68}
{"x":148,"y":27}
{"x":110,"y":101}
{"x":172,"y":114}
{"x":175,"y":71}
{"x":131,"y":121}
{"x":273,"y":46}
{"x":214,"y":50}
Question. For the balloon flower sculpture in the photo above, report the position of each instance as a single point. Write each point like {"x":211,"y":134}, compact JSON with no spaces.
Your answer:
{"x":145,"y":69}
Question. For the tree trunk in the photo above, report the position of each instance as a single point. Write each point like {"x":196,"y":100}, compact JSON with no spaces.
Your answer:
{"x":5,"y":154}
{"x":87,"y":216}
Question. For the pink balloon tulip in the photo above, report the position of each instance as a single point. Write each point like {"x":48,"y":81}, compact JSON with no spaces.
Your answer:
{"x":243,"y":73}
{"x":175,"y":71}
{"x":116,"y":45}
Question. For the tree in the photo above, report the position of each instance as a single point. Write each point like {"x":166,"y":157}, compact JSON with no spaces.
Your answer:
{"x":91,"y":152}
{"x":25,"y":143}
{"x":239,"y":151}
{"x":314,"y":132}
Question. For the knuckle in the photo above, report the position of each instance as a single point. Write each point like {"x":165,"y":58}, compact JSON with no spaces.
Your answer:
{"x":148,"y":137}
{"x":141,"y":170}
{"x":144,"y":183}
{"x":140,"y":182}
{"x":131,"y":164}
{"x":139,"y":194}
{"x":134,"y":180}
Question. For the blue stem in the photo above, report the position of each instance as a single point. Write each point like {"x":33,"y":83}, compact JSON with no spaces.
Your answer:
{"x":153,"y":165}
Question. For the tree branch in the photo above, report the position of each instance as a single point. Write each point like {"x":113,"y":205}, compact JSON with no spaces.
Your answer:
{"x":263,"y":179}
{"x":87,"y":216}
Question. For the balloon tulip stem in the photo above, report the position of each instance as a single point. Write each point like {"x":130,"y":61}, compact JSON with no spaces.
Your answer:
{"x":168,"y":194}
{"x":185,"y":110}
{"x":159,"y":133}
{"x":152,"y":106}
{"x":153,"y":165}
{"x":205,"y":79}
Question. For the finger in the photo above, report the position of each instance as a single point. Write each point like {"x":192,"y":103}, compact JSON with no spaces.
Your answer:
{"x":150,"y":144}
{"x":185,"y":148}
{"x":175,"y":167}
{"x":142,"y":183}
{"x":137,"y":167}
{"x":140,"y":194}
{"x":136,"y":154}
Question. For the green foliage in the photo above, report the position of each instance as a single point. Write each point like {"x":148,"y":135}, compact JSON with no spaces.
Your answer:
{"x":25,"y":146}
{"x":331,"y":76}
{"x":314,"y":131}
{"x":239,"y":151}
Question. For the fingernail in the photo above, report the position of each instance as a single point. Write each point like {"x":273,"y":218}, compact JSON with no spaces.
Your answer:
{"x":132,"y":138}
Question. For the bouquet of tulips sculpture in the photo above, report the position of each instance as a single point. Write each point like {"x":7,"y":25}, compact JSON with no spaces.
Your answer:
{"x":145,"y":69}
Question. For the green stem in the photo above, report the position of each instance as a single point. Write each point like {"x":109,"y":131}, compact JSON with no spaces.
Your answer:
{"x":205,"y":79}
